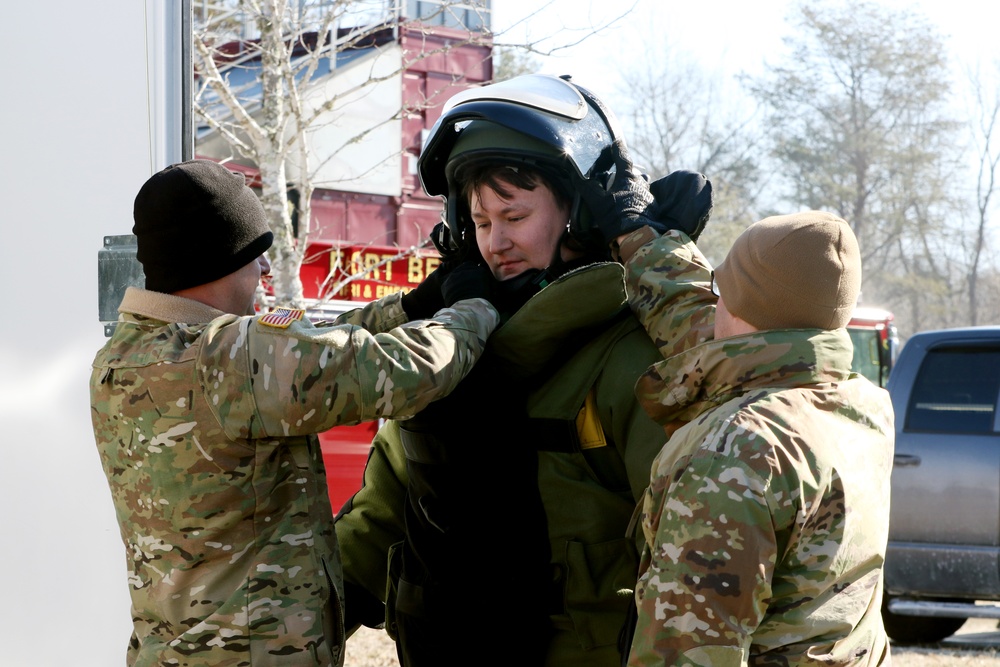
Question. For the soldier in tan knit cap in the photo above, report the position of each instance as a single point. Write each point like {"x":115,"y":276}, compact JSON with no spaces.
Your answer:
{"x":767,"y":514}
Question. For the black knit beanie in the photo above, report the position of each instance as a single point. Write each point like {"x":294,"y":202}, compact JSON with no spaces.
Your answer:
{"x":196,"y":222}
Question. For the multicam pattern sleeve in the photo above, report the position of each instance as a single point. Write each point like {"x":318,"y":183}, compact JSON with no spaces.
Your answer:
{"x":263,"y":381}
{"x":377,"y":316}
{"x":670,"y":291}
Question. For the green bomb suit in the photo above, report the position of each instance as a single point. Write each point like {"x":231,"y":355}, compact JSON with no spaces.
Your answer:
{"x":573,"y":338}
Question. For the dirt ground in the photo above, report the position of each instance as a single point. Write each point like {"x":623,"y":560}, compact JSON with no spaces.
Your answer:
{"x":372,"y":648}
{"x":981,"y":632}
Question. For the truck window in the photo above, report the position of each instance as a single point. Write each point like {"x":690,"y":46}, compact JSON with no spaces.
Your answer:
{"x":955,"y":391}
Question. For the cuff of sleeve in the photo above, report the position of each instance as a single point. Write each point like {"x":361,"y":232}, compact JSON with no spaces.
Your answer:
{"x":393,"y":311}
{"x":625,"y":245}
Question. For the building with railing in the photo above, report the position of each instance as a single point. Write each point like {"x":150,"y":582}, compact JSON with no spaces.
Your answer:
{"x":405,"y":60}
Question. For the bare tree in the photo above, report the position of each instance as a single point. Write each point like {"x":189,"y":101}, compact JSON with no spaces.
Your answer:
{"x":510,"y":61}
{"x":271,"y":121}
{"x":986,"y":143}
{"x":681,"y":118}
{"x":860,"y":125}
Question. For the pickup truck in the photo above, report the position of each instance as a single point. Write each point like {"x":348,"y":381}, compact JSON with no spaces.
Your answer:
{"x":943,"y":559}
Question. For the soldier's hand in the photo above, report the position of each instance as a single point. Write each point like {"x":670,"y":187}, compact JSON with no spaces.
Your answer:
{"x":426,"y":298}
{"x":683,"y":202}
{"x":361,"y":608}
{"x":616,"y":199}
{"x":469,"y":280}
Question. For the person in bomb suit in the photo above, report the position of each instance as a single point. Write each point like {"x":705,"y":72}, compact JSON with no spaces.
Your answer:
{"x":492,"y":525}
{"x":205,"y":418}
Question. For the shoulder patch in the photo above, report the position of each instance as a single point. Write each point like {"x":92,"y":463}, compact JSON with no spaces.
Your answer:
{"x":281,"y":318}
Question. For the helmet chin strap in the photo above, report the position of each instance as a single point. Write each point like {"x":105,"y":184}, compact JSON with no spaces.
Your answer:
{"x":513,"y":293}
{"x":576,"y":238}
{"x":557,"y":265}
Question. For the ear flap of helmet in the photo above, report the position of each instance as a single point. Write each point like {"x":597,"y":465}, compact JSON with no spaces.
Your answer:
{"x":455,"y":245}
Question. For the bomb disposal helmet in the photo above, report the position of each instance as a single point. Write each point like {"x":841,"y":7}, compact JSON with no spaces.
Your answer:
{"x":546,"y":123}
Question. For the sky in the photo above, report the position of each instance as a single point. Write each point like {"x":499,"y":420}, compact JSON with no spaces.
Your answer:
{"x":75,"y":152}
{"x":728,"y":36}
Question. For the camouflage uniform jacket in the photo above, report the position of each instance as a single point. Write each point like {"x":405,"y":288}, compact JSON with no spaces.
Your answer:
{"x":766,"y":518}
{"x":204,"y":422}
{"x":593,"y":563}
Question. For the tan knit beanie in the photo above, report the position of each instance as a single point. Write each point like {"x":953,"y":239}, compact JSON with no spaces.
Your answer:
{"x":794,"y":271}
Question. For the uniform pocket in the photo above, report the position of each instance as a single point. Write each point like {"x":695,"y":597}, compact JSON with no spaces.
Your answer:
{"x":600,"y":579}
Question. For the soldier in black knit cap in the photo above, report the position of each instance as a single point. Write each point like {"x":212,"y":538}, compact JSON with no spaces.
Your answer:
{"x":205,"y":419}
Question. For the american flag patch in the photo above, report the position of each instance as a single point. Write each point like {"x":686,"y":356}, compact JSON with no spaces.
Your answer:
{"x":281,"y":318}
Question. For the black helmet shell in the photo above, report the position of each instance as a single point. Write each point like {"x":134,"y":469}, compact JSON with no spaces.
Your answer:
{"x":564,"y":131}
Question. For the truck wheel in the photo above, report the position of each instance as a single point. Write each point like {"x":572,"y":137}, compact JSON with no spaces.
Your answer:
{"x":919,"y":629}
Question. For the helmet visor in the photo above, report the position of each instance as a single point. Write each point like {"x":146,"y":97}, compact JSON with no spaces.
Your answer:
{"x":544,"y":108}
{"x":545,"y":93}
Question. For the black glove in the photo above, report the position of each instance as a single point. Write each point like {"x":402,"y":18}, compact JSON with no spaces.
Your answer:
{"x":616,"y":197}
{"x":426,"y":298}
{"x":683,"y":202}
{"x":469,"y":280}
{"x":361,"y":608}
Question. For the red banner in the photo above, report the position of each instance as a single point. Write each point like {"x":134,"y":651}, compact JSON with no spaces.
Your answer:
{"x":359,"y":272}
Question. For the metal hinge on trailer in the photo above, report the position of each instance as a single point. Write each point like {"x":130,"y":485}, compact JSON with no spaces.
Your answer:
{"x":117,"y":269}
